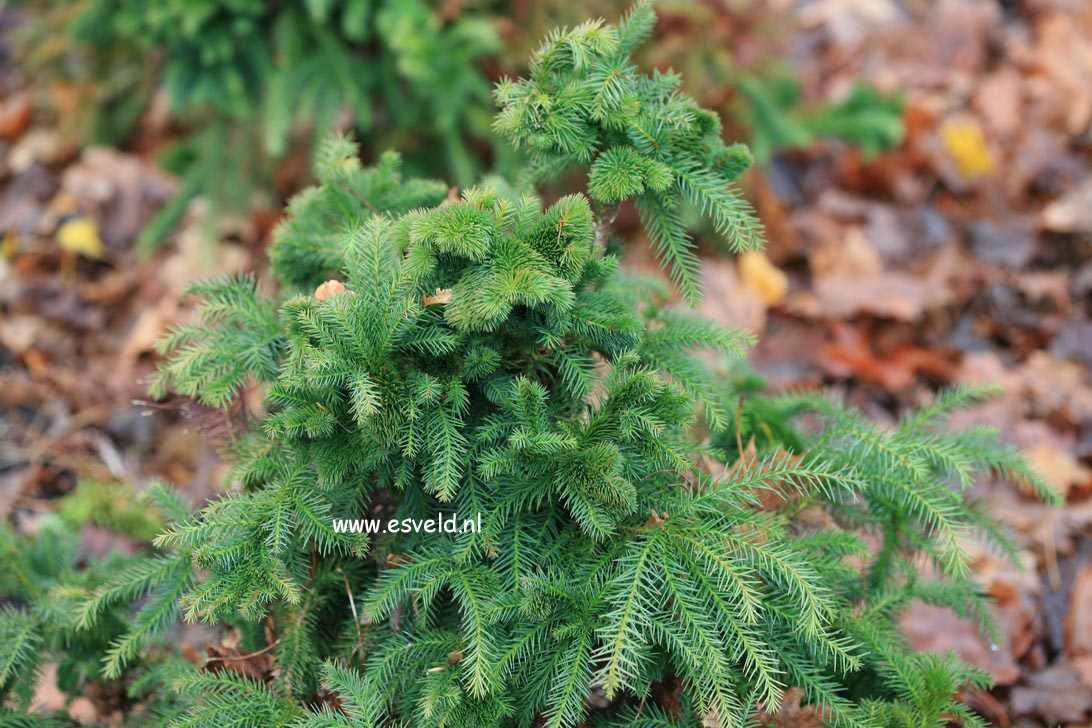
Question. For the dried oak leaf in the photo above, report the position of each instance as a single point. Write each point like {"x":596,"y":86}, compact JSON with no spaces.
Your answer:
{"x":227,"y":656}
{"x":1072,"y":212}
{"x":1055,"y":695}
{"x":442,"y":295}
{"x":791,"y":714}
{"x":329,"y":289}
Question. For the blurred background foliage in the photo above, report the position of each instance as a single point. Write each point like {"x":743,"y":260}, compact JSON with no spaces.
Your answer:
{"x":244,"y":89}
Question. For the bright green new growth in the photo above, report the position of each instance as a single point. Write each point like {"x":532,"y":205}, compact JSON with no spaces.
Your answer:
{"x":585,"y":105}
{"x":485,"y":354}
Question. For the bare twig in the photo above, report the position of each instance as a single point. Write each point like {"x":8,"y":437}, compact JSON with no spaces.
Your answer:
{"x":226,"y":658}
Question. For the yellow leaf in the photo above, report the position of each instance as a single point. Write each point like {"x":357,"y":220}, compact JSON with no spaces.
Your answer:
{"x":965,"y":141}
{"x":757,"y":272}
{"x":81,"y":235}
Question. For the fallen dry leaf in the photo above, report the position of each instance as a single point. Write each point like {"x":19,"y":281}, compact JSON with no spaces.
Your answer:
{"x":226,"y":656}
{"x":197,"y":256}
{"x":1079,"y":619}
{"x":1000,"y":99}
{"x":936,"y":629}
{"x":83,"y":711}
{"x":850,"y":279}
{"x":1083,"y":667}
{"x":329,"y":289}
{"x":1063,"y":56}
{"x":851,"y":354}
{"x":791,"y":714}
{"x":442,"y":295}
{"x":965,"y":141}
{"x":18,"y":333}
{"x":1056,"y":694}
{"x":727,"y":300}
{"x":1058,"y":386}
{"x":893,"y":295}
{"x":119,"y":189}
{"x":47,"y":696}
{"x":149,"y":327}
{"x":1060,"y":469}
{"x":80,"y":235}
{"x":1072,"y":212}
{"x":850,"y":21}
{"x":1008,"y":242}
{"x":851,"y":256}
{"x":42,"y":146}
{"x":14,"y":116}
{"x":758,"y":273}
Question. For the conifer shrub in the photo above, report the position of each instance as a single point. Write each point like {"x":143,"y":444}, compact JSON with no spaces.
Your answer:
{"x":652,"y":553}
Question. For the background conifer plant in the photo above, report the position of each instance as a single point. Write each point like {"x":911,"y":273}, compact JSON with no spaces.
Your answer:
{"x":249,"y":77}
{"x":652,"y":552}
{"x":246,"y":82}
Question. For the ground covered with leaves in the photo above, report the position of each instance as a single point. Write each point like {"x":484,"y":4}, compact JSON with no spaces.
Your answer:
{"x":962,"y":256}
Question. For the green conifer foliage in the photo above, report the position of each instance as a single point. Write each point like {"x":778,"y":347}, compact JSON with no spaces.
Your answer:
{"x":245,"y":77}
{"x":484,"y":353}
{"x":585,"y":104}
{"x":45,"y":584}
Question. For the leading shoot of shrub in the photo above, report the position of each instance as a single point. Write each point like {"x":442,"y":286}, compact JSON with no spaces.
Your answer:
{"x":483,"y":353}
